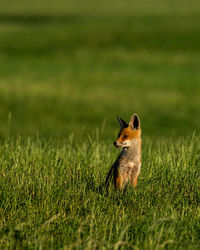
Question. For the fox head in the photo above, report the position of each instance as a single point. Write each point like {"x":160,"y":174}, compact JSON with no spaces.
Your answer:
{"x":128,"y":132}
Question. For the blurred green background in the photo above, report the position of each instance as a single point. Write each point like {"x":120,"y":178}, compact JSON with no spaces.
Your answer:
{"x":72,"y":66}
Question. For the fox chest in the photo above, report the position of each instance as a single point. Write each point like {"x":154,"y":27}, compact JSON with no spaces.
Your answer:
{"x":129,"y":171}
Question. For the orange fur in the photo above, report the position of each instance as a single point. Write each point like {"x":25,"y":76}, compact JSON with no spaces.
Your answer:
{"x":118,"y":182}
{"x":129,"y":134}
{"x":135,"y":182}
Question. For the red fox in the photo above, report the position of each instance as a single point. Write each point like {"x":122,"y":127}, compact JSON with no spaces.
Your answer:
{"x":126,"y":168}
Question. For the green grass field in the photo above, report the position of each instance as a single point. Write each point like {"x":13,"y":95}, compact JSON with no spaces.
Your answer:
{"x":66,"y":71}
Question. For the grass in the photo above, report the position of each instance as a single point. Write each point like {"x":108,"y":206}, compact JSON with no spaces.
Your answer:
{"x":67,"y":70}
{"x":50,"y":197}
{"x":79,"y":67}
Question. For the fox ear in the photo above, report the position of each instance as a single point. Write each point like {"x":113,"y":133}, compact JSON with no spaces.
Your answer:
{"x":134,"y":122}
{"x":122,"y":123}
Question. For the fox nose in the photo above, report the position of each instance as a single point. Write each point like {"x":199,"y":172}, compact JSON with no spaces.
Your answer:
{"x":115,"y":144}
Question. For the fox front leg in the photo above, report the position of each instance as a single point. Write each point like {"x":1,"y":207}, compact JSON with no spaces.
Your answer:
{"x":119,"y":182}
{"x":135,"y":173}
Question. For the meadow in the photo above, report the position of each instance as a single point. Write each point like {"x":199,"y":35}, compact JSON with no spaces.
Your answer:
{"x":66,"y":71}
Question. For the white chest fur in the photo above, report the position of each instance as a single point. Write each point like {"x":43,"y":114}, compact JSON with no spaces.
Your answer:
{"x":131,"y":164}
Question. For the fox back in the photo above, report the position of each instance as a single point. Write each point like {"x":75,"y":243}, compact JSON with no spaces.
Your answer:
{"x":126,"y":168}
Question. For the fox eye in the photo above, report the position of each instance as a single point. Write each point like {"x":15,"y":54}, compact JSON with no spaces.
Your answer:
{"x":125,"y":136}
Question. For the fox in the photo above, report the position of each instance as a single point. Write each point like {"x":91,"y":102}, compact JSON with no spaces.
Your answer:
{"x":126,"y":168}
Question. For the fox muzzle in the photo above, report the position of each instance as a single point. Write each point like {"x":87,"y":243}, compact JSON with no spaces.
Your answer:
{"x":115,"y":144}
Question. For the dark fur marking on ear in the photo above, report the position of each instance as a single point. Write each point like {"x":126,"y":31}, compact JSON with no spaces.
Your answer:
{"x":122,"y":123}
{"x":134,"y":122}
